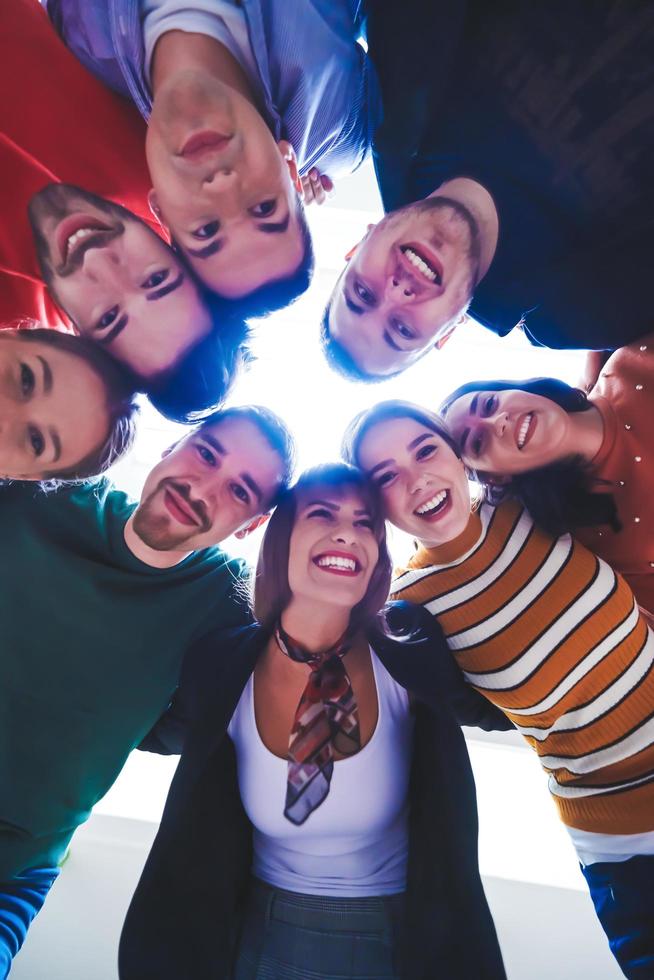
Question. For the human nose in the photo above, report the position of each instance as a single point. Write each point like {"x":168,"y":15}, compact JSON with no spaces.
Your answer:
{"x":345,"y":533}
{"x":399,"y":288}
{"x":104,"y":265}
{"x":498,"y":422}
{"x":420,"y":482}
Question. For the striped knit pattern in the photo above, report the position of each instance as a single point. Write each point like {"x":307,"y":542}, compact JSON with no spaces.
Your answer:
{"x":552,"y":636}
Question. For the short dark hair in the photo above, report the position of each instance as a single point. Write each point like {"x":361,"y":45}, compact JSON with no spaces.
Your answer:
{"x":562,"y":495}
{"x":271,"y":590}
{"x":201,"y":380}
{"x":271,"y":427}
{"x":568,"y":398}
{"x":119,"y":393}
{"x":392,"y":409}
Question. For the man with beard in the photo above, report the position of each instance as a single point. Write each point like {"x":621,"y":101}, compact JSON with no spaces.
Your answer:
{"x":243,"y":99}
{"x":529,"y":130}
{"x":94,"y":644}
{"x":179,"y":354}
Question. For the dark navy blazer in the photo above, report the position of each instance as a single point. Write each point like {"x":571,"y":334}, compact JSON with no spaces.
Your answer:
{"x":185,"y":918}
{"x":553,"y":112}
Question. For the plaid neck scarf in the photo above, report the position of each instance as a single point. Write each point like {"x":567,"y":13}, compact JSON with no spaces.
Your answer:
{"x":326,"y":720}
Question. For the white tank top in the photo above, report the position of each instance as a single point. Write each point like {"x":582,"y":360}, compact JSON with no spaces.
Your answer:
{"x":356,"y":842}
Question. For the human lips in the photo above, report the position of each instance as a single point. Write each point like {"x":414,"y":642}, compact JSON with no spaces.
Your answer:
{"x":422,"y":261}
{"x":434,"y":507}
{"x":181,"y":508}
{"x":75,"y":230}
{"x":203,"y":143}
{"x":338,"y":563}
{"x":524,"y":429}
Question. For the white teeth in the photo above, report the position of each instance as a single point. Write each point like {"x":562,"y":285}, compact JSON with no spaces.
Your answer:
{"x":334,"y":561}
{"x":78,"y":236}
{"x":524,"y":428}
{"x":432,"y":504}
{"x":419,"y":263}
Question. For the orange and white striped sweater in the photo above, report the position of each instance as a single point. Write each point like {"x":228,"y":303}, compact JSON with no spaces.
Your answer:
{"x":550,"y":634}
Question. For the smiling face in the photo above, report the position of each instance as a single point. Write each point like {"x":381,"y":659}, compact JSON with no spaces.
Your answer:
{"x":222,"y":185}
{"x":423,"y":483}
{"x":209,"y":486}
{"x":333,"y":550}
{"x":119,"y":283}
{"x":53,"y":410}
{"x":507,"y":432}
{"x":408,"y":280}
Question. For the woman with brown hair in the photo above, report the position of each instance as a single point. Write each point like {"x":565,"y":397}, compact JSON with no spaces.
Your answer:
{"x":66,"y":408}
{"x":322,"y":821}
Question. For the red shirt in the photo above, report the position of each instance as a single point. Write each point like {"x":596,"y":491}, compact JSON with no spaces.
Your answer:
{"x":57,"y":122}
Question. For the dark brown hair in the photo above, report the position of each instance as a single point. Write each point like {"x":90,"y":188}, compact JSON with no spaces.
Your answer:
{"x":271,"y":592}
{"x":392,"y":409}
{"x":119,"y":397}
{"x":563,"y":495}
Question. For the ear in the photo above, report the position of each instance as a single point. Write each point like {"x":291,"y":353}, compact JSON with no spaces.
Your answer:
{"x":348,"y":255}
{"x":288,"y":153}
{"x":443,"y":338}
{"x":251,"y":526}
{"x":153,"y":203}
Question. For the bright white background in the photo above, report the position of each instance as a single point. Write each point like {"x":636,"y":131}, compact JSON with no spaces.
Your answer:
{"x":521,"y":837}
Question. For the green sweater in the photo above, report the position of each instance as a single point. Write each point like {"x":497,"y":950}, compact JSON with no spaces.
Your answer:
{"x":92,"y":644}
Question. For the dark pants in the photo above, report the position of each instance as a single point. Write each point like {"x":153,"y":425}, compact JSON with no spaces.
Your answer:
{"x":623,"y":896}
{"x":288,"y":936}
{"x":20,"y":900}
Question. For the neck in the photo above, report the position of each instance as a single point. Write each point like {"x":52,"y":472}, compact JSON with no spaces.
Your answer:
{"x":149,"y":556}
{"x":315,"y":627}
{"x":474,"y":196}
{"x":178,"y":51}
{"x":586,"y":433}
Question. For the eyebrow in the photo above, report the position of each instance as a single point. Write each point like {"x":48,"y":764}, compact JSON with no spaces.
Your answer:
{"x":335,"y":507}
{"x":391,"y":343}
{"x":253,"y":485}
{"x":412,"y":445}
{"x":168,"y":288}
{"x":275,"y":227}
{"x":270,"y":228}
{"x":56,"y":442}
{"x":351,"y":305}
{"x":208,"y":250}
{"x":115,"y":331}
{"x":47,"y":374}
{"x":214,"y":443}
{"x":466,"y":432}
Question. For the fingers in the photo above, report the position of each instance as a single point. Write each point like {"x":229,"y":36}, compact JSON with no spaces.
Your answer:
{"x":316,"y":187}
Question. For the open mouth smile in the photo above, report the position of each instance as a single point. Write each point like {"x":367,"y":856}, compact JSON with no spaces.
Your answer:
{"x":434,"y":508}
{"x":524,"y":429}
{"x":423,"y":263}
{"x":338,"y":563}
{"x":76,"y":230}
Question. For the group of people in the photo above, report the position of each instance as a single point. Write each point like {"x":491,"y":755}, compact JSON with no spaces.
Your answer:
{"x":158,"y":158}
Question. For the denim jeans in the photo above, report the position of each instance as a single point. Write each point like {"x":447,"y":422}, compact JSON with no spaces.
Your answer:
{"x":20,"y":900}
{"x":288,"y":936}
{"x":623,"y":896}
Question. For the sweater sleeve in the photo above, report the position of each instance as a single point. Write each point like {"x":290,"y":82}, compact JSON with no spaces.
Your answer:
{"x":208,"y":665}
{"x":419,"y":658}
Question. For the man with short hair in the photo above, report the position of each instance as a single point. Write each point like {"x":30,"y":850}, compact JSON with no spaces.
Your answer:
{"x":514,"y":163}
{"x":243,"y":99}
{"x":97,"y":248}
{"x":93,"y":645}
